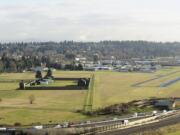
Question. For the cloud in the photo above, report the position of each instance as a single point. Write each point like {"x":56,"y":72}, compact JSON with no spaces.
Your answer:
{"x":89,"y":20}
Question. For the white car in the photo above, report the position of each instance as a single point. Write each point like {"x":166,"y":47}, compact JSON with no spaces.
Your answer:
{"x":65,"y":124}
{"x":126,"y":122}
{"x":3,"y":129}
{"x":58,"y":126}
{"x":38,"y":127}
{"x":164,"y":111}
{"x":115,"y":119}
{"x":154,"y":113}
{"x":135,"y":115}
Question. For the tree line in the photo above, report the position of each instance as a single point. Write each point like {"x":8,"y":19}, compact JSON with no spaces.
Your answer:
{"x":8,"y":64}
{"x":61,"y":55}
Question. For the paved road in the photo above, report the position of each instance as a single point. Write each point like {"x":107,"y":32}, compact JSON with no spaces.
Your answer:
{"x":162,"y":123}
{"x":156,"y":78}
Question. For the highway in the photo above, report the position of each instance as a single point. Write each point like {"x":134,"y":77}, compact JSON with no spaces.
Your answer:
{"x":164,"y":119}
{"x":145,"y":127}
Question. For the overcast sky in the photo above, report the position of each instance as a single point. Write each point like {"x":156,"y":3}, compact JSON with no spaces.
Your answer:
{"x":89,"y":20}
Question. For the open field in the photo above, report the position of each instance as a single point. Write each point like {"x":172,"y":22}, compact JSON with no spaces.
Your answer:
{"x":117,"y":87}
{"x":159,"y":80}
{"x":175,"y":133}
{"x":57,"y":106}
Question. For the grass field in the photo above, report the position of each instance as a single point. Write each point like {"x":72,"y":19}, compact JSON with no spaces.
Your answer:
{"x":117,"y":87}
{"x":175,"y":133}
{"x":57,"y":106}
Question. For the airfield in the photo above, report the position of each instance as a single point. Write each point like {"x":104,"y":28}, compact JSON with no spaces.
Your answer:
{"x":52,"y":106}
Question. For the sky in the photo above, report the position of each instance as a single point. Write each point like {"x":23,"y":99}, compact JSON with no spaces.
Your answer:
{"x":89,"y":20}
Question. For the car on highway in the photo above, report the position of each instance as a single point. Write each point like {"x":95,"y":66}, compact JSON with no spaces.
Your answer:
{"x":3,"y":129}
{"x":58,"y":126}
{"x":38,"y":127}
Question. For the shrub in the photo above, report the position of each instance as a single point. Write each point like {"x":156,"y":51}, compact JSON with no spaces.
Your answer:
{"x":17,"y":124}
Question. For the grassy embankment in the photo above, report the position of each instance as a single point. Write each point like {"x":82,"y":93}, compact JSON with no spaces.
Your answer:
{"x":168,"y":130}
{"x":57,"y":106}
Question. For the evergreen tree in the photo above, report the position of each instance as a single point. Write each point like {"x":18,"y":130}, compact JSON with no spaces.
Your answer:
{"x":80,"y":67}
{"x":49,"y":74}
{"x":38,"y":75}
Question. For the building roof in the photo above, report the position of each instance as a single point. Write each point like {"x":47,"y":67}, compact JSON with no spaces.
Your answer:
{"x":164,"y":103}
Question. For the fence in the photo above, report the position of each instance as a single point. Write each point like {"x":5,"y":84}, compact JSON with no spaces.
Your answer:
{"x":67,"y":87}
{"x":100,"y":129}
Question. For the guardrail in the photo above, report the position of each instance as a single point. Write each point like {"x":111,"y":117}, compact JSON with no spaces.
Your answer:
{"x":123,"y":125}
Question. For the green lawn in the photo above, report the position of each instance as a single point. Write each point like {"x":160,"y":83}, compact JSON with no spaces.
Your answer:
{"x":49,"y":105}
{"x":175,"y":133}
{"x":56,"y":106}
{"x":113,"y":87}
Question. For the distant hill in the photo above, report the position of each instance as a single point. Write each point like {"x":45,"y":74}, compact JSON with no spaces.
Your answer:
{"x":104,"y":49}
{"x":63,"y":55}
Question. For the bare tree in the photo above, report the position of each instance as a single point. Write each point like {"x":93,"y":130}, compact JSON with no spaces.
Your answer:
{"x":31,"y":99}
